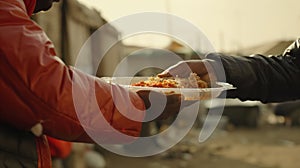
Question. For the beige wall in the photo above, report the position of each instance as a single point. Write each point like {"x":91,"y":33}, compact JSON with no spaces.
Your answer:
{"x":51,"y":23}
{"x":77,"y":36}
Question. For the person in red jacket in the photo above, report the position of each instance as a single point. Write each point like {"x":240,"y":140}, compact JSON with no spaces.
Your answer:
{"x":37,"y":94}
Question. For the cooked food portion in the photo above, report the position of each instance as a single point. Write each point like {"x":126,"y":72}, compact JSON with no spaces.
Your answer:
{"x":158,"y":82}
{"x":193,"y":81}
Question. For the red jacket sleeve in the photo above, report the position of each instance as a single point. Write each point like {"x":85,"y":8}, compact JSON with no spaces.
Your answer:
{"x":38,"y":87}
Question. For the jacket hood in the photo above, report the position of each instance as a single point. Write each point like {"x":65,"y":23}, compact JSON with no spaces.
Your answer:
{"x":30,"y":5}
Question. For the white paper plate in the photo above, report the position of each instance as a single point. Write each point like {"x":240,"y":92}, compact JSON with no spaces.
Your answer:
{"x":188,"y":93}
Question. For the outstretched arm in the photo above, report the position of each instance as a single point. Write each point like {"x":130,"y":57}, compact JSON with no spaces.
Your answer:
{"x":258,"y":77}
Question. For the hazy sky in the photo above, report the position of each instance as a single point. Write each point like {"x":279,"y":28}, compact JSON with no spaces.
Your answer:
{"x":228,"y":24}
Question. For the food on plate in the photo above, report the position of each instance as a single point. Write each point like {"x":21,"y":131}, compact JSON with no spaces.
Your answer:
{"x":193,"y":81}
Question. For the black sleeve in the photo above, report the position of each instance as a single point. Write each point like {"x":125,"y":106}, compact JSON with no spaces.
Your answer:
{"x":258,"y":77}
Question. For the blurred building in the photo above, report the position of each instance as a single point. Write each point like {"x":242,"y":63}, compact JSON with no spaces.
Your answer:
{"x":69,"y":24}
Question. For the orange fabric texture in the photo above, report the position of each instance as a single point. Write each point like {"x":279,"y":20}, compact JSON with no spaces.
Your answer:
{"x":37,"y":87}
{"x":58,"y":148}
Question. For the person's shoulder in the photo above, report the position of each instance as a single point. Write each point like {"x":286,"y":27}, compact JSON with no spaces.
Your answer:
{"x":12,"y":10}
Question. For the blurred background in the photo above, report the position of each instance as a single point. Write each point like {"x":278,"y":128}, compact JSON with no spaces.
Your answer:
{"x":250,"y":134}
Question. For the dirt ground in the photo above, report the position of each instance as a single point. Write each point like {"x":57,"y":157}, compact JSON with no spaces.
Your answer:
{"x":270,"y":146}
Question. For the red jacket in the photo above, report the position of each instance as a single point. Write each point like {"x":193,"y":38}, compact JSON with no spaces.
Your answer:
{"x":36,"y":87}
